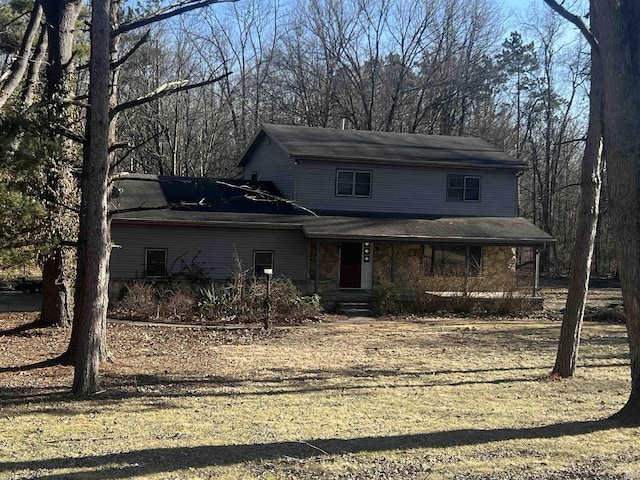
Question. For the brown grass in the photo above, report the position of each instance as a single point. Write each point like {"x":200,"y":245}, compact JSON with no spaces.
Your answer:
{"x":398,"y":398}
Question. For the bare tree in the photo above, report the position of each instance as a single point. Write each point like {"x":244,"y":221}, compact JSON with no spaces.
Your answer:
{"x":591,"y":183}
{"x":87,"y":346}
{"x":617,"y":44}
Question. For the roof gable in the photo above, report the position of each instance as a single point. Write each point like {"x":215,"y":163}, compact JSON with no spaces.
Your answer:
{"x":328,"y":144}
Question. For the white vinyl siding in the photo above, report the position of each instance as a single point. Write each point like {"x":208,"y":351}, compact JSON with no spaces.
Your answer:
{"x":270,"y":163}
{"x":213,"y":249}
{"x":404,"y":190}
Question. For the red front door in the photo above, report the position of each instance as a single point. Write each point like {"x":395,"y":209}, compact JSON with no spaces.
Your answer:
{"x":350,"y":265}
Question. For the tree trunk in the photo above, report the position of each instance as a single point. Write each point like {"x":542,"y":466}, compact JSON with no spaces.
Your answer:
{"x":21,"y":64}
{"x":94,"y":244}
{"x":591,"y":184}
{"x":619,"y":40}
{"x":61,"y":17}
{"x":55,"y":304}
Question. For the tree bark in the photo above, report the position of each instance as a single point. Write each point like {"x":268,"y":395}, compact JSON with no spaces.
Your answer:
{"x":94,"y":244}
{"x":61,"y":17}
{"x":588,"y":211}
{"x":55,"y":305}
{"x":619,"y":42}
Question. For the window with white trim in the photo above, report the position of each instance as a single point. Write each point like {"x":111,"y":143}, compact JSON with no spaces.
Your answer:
{"x":353,"y":183}
{"x":463,"y":188}
{"x":262,"y":259}
{"x":155,"y":263}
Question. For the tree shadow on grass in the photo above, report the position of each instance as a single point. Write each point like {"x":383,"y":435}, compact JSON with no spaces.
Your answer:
{"x":160,"y":389}
{"x":171,"y":459}
{"x":50,"y":362}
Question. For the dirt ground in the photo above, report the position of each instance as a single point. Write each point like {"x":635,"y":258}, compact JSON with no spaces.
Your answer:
{"x":394,"y":398}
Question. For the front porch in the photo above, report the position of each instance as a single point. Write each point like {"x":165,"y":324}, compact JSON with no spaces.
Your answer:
{"x":441,"y":269}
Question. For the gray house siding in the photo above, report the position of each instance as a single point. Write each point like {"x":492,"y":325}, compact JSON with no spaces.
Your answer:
{"x":271,"y":163}
{"x":211,"y":247}
{"x":405,"y":190}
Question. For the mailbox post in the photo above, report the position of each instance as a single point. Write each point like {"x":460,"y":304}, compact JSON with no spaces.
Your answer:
{"x":268,"y":272}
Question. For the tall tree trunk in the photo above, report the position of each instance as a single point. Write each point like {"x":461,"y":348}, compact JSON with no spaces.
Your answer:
{"x":61,"y":17}
{"x":56,"y":303}
{"x":619,"y":41}
{"x":94,"y":244}
{"x":591,"y":184}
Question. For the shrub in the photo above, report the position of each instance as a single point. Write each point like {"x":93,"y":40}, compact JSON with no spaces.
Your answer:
{"x":137,"y":300}
{"x":410,"y":295}
{"x":385,"y":298}
{"x":239,"y":300}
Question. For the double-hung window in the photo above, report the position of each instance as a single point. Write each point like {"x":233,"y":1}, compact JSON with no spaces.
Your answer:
{"x":353,"y":183}
{"x":262,"y":259}
{"x":463,"y":188}
{"x":155,"y":263}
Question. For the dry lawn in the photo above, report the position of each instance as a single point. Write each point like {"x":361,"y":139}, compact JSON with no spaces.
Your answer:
{"x":392,"y":399}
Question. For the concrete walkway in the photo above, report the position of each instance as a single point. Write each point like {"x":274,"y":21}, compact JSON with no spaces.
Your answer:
{"x":20,"y":302}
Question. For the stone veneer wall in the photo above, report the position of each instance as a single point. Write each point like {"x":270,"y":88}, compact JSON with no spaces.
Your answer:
{"x":329,"y":265}
{"x":413,"y":261}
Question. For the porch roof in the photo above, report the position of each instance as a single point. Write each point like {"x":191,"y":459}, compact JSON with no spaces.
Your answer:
{"x":460,"y":230}
{"x":453,"y":230}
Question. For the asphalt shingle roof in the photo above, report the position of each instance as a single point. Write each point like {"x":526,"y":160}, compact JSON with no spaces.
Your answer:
{"x":328,"y":144}
{"x":144,"y":199}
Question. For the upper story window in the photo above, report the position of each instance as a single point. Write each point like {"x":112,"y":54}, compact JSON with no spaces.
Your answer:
{"x":353,"y":183}
{"x":155,"y":263}
{"x":463,"y":188}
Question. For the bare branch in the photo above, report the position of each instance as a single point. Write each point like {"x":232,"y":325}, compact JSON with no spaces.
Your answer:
{"x":39,"y":54}
{"x":70,"y":134}
{"x":164,"y":90}
{"x":165,"y":13}
{"x":576,"y":20}
{"x":132,"y":149}
{"x":133,"y":50}
{"x":266,"y":197}
{"x":252,"y":193}
{"x":19,"y":66}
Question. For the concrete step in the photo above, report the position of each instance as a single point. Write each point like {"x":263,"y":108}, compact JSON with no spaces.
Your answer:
{"x":355,"y":309}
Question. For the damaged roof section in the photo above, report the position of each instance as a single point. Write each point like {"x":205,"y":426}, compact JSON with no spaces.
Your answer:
{"x":180,"y":194}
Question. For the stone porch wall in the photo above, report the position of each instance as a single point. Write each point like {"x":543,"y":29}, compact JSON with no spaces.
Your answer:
{"x":498,"y":269}
{"x":412,"y":261}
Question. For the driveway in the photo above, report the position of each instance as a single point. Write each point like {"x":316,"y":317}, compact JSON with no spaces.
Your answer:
{"x":20,"y":302}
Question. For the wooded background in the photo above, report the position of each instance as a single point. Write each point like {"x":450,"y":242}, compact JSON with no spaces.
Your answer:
{"x":449,"y":67}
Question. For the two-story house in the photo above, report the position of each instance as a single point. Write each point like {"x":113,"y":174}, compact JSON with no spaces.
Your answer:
{"x":357,"y":207}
